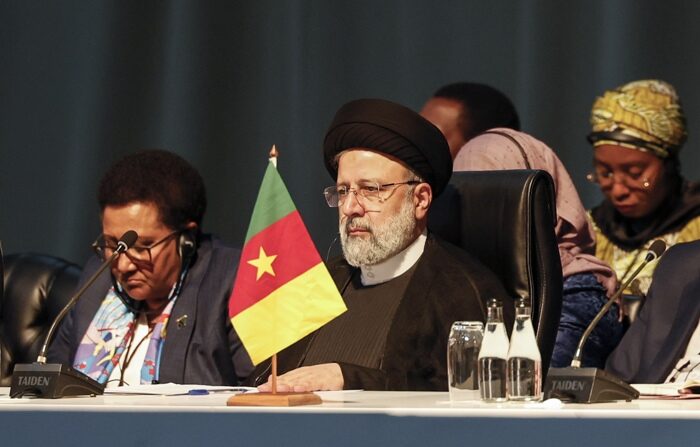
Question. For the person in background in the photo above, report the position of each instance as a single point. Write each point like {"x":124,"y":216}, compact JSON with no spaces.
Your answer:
{"x":638,"y":130}
{"x":402,"y":286}
{"x":588,"y":281}
{"x":465,"y":109}
{"x":160,"y":313}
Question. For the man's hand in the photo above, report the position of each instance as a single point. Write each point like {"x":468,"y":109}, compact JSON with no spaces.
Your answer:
{"x":324,"y":377}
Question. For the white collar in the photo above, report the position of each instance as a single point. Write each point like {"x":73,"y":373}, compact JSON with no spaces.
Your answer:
{"x":396,"y":265}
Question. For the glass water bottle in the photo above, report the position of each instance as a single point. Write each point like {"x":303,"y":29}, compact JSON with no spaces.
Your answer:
{"x":524,"y":360}
{"x":493,"y":355}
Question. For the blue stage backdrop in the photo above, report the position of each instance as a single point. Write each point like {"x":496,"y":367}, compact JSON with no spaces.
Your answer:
{"x":85,"y":82}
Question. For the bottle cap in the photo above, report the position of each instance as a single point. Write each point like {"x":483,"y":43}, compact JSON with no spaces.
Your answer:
{"x":522,"y":302}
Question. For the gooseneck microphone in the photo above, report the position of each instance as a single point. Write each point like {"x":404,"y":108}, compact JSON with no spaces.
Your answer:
{"x":656,"y":249}
{"x":589,"y":385}
{"x":330,"y":246}
{"x":55,"y":380}
{"x":126,"y":241}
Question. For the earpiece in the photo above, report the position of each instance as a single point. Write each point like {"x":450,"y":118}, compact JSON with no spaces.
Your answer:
{"x":187,"y":246}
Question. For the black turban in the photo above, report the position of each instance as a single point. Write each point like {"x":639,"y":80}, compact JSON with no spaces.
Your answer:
{"x":393,"y":129}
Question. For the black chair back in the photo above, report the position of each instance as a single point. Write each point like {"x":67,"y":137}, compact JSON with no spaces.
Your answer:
{"x":506,"y":219}
{"x":37,"y":287}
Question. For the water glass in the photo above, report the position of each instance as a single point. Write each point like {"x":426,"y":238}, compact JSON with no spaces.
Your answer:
{"x":462,"y":359}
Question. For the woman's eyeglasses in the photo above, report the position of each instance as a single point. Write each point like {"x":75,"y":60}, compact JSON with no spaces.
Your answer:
{"x":606,"y":179}
{"x":137,"y":253}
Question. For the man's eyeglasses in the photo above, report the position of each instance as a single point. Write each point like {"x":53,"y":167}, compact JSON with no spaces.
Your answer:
{"x":137,"y":253}
{"x":371,"y":192}
{"x":606,"y":179}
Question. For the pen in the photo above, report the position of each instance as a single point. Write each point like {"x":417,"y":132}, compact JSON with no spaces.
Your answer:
{"x":204,"y":392}
{"x":197,"y":392}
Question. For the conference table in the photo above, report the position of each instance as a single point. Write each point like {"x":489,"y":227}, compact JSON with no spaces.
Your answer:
{"x":348,"y":418}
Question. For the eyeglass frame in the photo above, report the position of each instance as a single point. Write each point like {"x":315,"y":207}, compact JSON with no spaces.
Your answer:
{"x":100,"y":250}
{"x":380,"y":187}
{"x":623,"y":178}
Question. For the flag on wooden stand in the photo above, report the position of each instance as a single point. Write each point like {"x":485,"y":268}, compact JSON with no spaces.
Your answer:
{"x":283,"y":290}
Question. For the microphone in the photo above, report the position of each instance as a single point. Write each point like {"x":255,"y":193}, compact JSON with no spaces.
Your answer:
{"x":590,"y":385}
{"x":56,"y":380}
{"x":330,"y":246}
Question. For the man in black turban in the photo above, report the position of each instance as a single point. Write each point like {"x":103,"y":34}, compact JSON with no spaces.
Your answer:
{"x":403,"y":287}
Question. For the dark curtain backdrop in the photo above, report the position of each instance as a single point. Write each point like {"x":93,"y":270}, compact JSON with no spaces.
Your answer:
{"x":85,"y":82}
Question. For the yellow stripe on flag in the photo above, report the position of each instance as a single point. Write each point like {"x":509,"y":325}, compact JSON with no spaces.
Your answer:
{"x":289,"y":313}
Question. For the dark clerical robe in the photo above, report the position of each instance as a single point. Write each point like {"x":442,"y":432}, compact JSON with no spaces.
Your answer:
{"x":363,"y":328}
{"x":398,"y":342}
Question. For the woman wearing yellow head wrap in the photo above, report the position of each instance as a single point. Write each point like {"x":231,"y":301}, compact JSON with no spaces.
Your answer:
{"x":637,"y":131}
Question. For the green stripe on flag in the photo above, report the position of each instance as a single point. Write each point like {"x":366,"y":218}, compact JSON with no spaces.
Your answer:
{"x":273,"y":203}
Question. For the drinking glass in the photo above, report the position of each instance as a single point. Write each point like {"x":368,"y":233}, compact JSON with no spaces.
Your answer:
{"x":462,"y":360}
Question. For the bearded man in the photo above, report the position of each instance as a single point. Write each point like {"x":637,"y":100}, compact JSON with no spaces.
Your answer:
{"x":403,"y":287}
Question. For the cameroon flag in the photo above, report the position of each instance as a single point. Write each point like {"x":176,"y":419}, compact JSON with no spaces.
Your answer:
{"x":283,"y":290}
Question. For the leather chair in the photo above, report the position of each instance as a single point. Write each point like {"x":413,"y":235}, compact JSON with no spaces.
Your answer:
{"x":506,"y":219}
{"x":36,"y":289}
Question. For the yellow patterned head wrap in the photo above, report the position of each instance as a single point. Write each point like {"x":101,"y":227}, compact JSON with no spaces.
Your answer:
{"x":644,"y":115}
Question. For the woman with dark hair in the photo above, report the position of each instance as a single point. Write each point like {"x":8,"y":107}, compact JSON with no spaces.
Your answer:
{"x":160,"y":314}
{"x":638,"y":130}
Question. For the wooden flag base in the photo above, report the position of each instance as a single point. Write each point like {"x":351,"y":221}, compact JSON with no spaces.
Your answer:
{"x":273,"y":400}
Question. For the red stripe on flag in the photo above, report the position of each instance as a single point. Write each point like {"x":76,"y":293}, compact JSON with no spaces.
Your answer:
{"x":296,"y":253}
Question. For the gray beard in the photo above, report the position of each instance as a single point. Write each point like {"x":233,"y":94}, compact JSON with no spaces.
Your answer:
{"x":383,"y":242}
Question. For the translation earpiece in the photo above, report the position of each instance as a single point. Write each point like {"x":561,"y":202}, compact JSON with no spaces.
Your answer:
{"x":187,"y":246}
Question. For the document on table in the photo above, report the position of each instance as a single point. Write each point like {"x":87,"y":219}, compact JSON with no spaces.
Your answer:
{"x":173,"y":389}
{"x":686,"y":390}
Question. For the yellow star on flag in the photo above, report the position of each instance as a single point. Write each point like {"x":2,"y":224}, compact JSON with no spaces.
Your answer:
{"x":263,"y":263}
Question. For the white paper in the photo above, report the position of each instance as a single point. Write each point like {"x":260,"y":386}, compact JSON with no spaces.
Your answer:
{"x":173,"y":389}
{"x":658,"y":389}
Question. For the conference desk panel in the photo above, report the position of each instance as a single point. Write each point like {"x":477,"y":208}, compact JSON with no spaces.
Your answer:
{"x":344,"y":419}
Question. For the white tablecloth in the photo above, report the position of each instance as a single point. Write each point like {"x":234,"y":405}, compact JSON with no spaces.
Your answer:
{"x":345,"y":418}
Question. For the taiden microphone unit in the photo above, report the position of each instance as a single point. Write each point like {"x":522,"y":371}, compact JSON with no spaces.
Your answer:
{"x":55,"y":380}
{"x":589,"y":385}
